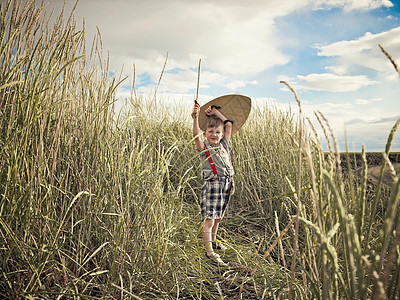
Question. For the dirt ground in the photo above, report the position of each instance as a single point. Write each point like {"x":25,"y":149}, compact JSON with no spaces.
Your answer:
{"x":374,"y":161}
{"x":387,"y":179}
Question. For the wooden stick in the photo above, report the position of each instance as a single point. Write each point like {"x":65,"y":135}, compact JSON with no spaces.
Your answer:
{"x":198,"y":83}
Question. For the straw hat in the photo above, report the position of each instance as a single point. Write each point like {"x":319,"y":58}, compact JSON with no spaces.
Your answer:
{"x":234,"y":107}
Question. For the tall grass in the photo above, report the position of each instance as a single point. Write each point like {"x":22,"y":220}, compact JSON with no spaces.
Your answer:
{"x":97,"y":203}
{"x":339,"y":251}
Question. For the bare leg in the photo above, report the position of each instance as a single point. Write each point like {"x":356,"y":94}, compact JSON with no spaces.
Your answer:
{"x":215,"y":229}
{"x":210,"y":228}
{"x":207,"y":238}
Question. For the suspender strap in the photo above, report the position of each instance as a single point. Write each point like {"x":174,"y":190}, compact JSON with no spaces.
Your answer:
{"x":211,"y":161}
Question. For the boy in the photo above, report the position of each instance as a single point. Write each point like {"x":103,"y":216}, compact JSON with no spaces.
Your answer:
{"x":218,"y":172}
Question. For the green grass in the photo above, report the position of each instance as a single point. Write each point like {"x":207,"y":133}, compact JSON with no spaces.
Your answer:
{"x":96,"y":203}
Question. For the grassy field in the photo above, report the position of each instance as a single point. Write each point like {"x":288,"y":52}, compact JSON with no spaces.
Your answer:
{"x":103,"y":204}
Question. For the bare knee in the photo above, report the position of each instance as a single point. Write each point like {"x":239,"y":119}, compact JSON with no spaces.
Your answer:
{"x":208,"y":224}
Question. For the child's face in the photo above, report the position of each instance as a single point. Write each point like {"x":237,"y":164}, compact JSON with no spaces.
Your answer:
{"x":214,"y":134}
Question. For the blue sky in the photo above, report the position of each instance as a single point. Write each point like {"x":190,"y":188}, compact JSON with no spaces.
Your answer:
{"x":326,"y":49}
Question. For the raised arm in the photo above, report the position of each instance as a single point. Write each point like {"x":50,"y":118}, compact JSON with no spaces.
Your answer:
{"x":196,"y":127}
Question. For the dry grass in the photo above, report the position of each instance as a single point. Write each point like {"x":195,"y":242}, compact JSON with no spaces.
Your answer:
{"x":99,"y":204}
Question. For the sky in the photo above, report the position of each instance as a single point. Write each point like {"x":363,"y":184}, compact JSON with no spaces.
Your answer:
{"x":327,"y":50}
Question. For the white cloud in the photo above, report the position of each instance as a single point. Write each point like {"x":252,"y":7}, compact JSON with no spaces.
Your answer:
{"x":232,"y":37}
{"x":355,"y":56}
{"x":339,"y":70}
{"x":349,"y":5}
{"x":362,"y":101}
{"x":235,"y":84}
{"x":333,"y":83}
{"x":366,"y":4}
{"x":365,"y":52}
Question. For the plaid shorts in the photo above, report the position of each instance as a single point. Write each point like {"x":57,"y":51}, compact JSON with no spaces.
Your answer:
{"x":215,"y":195}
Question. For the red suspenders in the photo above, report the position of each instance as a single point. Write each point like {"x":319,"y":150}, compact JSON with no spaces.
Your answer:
{"x":212,"y":162}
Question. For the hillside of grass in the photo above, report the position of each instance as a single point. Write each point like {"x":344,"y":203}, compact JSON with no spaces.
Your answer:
{"x":97,"y":203}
